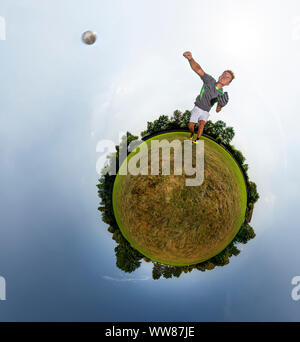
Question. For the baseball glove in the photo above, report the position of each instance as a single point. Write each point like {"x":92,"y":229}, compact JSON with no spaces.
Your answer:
{"x":223,"y":99}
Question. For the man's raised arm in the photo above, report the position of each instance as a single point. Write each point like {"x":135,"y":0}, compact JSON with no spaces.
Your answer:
{"x":194,"y":65}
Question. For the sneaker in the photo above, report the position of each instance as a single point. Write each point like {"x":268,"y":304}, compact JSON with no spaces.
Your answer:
{"x":196,"y":141}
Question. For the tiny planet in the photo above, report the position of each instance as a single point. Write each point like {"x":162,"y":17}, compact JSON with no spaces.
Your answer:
{"x":175,"y":224}
{"x":89,"y":37}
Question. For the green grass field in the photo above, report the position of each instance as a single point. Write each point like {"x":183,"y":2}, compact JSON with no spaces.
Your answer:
{"x":176,"y":224}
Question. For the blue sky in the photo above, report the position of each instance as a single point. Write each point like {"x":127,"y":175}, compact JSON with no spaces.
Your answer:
{"x":59,"y":98}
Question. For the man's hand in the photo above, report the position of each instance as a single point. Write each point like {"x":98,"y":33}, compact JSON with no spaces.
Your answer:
{"x":218,"y":109}
{"x":188,"y":55}
{"x":223,"y":99}
{"x":194,"y":65}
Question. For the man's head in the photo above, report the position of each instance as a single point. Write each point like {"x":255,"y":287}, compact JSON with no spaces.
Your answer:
{"x":226,"y":77}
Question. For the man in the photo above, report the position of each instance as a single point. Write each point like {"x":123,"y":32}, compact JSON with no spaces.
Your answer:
{"x":211,"y":92}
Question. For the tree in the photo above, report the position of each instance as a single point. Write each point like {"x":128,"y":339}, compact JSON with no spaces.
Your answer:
{"x":157,"y":270}
{"x":209,"y":128}
{"x":127,"y":257}
{"x":105,"y":188}
{"x":177,"y":271}
{"x":209,"y":265}
{"x":167,"y":272}
{"x":111,"y":229}
{"x":219,"y":127}
{"x":186,"y":118}
{"x":227,"y":135}
{"x":245,"y":167}
{"x":238,"y":156}
{"x":201,"y":266}
{"x":129,"y":138}
{"x":221,"y":259}
{"x":176,"y":119}
{"x":162,"y":123}
{"x":253,"y":196}
{"x":245,"y":234}
{"x":118,"y":237}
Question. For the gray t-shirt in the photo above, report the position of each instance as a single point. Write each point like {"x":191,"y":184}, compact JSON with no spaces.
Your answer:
{"x":208,"y":95}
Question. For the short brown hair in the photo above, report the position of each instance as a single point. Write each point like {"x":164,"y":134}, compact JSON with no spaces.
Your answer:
{"x":231,"y":73}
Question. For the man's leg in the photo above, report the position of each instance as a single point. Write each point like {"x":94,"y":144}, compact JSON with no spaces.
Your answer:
{"x":200,"y":128}
{"x":191,"y":128}
{"x":193,"y":120}
{"x":201,"y":125}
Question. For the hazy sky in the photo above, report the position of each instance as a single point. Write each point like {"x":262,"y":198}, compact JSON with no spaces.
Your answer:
{"x":59,"y":98}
